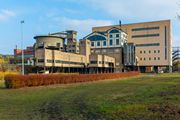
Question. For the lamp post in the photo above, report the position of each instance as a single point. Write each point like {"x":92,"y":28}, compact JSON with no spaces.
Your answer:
{"x":22,"y":22}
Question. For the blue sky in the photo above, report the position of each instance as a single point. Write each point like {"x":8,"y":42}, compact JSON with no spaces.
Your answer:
{"x":47,"y":16}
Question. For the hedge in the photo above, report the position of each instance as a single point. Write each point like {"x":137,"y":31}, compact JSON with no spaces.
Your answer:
{"x":19,"y":81}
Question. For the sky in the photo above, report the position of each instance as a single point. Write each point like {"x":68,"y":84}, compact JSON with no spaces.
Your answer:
{"x":48,"y":16}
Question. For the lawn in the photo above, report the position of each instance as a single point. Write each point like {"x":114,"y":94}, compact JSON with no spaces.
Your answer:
{"x":148,"y":97}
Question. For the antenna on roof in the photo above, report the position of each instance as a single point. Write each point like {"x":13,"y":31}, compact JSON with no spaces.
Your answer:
{"x":120,"y":23}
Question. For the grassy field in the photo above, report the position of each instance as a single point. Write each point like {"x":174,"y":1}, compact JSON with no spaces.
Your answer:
{"x":148,"y":97}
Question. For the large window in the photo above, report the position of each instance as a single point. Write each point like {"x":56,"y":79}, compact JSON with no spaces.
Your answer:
{"x":146,"y":35}
{"x":117,"y":42}
{"x":92,"y":43}
{"x":117,"y":35}
{"x":111,"y":36}
{"x":147,"y":28}
{"x":98,"y":43}
{"x":111,"y":42}
{"x":104,"y":43}
{"x":148,"y":45}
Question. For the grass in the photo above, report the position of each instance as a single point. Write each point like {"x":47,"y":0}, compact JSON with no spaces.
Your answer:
{"x":146,"y":97}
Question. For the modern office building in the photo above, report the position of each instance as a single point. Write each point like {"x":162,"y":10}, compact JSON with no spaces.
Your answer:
{"x":111,"y":43}
{"x":145,"y":46}
{"x":153,"y":41}
{"x":49,"y":56}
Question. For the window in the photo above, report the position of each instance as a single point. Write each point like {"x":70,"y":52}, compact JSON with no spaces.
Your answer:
{"x":148,"y":45}
{"x":111,"y":36}
{"x":98,"y":43}
{"x":144,"y":52}
{"x":149,"y":51}
{"x":117,"y":41}
{"x":93,"y":62}
{"x":117,"y":35}
{"x":141,"y":59}
{"x":158,"y":58}
{"x":50,"y":61}
{"x":100,"y":62}
{"x":144,"y":59}
{"x":92,"y":43}
{"x":158,"y":51}
{"x":154,"y":58}
{"x":146,"y":35}
{"x":149,"y":58}
{"x":104,"y":43}
{"x":40,"y":60}
{"x":147,"y":28}
{"x":141,"y":52}
{"x":111,"y":42}
{"x":154,"y":51}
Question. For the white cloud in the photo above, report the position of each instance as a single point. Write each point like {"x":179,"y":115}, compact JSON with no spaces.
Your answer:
{"x":83,"y":27}
{"x":6,"y":14}
{"x":138,"y":9}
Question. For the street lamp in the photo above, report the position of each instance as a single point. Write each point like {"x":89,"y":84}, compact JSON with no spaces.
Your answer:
{"x":22,"y":22}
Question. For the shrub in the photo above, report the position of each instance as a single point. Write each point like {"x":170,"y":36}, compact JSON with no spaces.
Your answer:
{"x":18,"y":81}
{"x":3,"y":74}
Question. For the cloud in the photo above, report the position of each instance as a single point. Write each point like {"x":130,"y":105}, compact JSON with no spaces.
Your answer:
{"x":137,"y":9}
{"x":6,"y":14}
{"x":83,"y":26}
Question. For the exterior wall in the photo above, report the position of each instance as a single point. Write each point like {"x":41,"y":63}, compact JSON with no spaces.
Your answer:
{"x":101,"y":61}
{"x":49,"y":41}
{"x":85,"y":48}
{"x":155,"y":44}
{"x":111,"y":52}
{"x":57,"y":58}
{"x":73,"y":47}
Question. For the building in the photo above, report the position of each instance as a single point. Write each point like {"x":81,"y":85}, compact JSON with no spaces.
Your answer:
{"x":52,"y":58}
{"x":111,"y":43}
{"x":153,"y":42}
{"x":28,"y":56}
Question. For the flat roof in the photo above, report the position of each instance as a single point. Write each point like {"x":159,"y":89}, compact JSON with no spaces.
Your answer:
{"x":132,"y":23}
{"x":52,"y":36}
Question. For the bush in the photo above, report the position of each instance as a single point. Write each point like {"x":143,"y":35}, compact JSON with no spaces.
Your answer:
{"x":3,"y":74}
{"x":18,"y":81}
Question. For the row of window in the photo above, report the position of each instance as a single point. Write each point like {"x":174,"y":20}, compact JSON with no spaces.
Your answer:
{"x":146,"y":35}
{"x":148,"y":45}
{"x":147,"y":28}
{"x":59,"y":61}
{"x":105,"y":43}
{"x":100,"y":62}
{"x":155,"y":58}
{"x":111,"y":36}
{"x":155,"y":51}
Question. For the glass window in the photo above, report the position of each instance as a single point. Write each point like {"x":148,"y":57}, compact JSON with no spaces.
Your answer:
{"x":149,"y":58}
{"x":111,"y":36}
{"x":149,"y":51}
{"x":104,"y":43}
{"x":117,"y":41}
{"x":92,"y":43}
{"x":158,"y":58}
{"x":154,"y":58}
{"x":111,"y":42}
{"x":98,"y":43}
{"x":141,"y":52}
{"x":144,"y":51}
{"x":144,"y":59}
{"x":141,"y":59}
{"x":158,"y":51}
{"x":117,"y":35}
{"x":154,"y":51}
